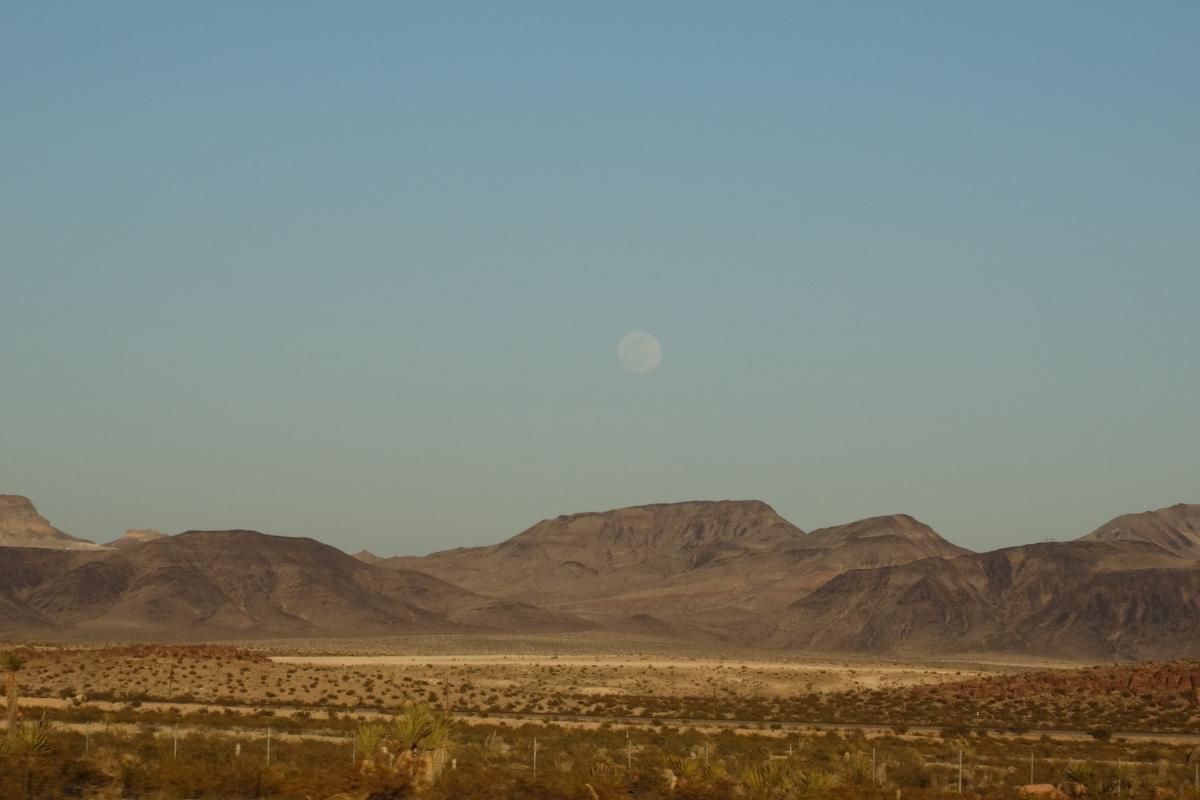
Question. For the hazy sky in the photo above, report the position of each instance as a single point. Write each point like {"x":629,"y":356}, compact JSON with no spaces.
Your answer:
{"x":359,"y":271}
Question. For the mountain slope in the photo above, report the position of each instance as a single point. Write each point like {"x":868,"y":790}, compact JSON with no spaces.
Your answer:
{"x":22,"y":526}
{"x":230,"y":582}
{"x":1073,"y":599}
{"x":1175,"y":529}
{"x":705,"y":562}
{"x":132,"y":538}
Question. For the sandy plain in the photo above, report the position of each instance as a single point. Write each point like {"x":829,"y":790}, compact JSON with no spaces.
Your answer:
{"x":485,"y":675}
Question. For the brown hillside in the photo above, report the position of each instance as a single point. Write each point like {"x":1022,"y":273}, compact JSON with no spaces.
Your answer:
{"x":697,"y":562}
{"x":243,"y":582}
{"x":1175,"y":529}
{"x":1128,"y":600}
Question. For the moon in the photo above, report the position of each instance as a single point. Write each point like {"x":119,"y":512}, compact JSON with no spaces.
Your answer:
{"x":639,"y":352}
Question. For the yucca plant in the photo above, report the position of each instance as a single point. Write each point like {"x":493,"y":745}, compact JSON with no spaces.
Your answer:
{"x":857,"y":768}
{"x":1080,"y":772}
{"x":754,"y":778}
{"x":715,"y":770}
{"x":12,"y":662}
{"x":367,"y":740}
{"x":28,"y":740}
{"x":494,"y":747}
{"x":418,"y":728}
{"x":815,"y":782}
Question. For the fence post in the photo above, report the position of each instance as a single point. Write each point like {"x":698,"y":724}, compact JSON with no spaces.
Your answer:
{"x":535,"y":756}
{"x":960,"y":771}
{"x":87,"y":738}
{"x":176,"y":753}
{"x":268,"y":745}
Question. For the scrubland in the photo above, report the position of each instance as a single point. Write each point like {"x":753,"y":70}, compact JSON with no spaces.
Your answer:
{"x":176,"y":722}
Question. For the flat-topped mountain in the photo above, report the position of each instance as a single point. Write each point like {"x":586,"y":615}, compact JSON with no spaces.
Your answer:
{"x":1123,"y":599}
{"x":1175,"y":529}
{"x":243,"y":582}
{"x":22,"y":526}
{"x":699,"y":561}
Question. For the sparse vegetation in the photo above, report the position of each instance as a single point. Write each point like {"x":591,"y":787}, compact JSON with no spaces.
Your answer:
{"x":327,"y":741}
{"x":495,"y":760}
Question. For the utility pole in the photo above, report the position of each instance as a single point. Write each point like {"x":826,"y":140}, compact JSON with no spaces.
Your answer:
{"x":268,"y":746}
{"x":535,"y":756}
{"x":960,"y":771}
{"x":176,"y":755}
{"x":628,"y":752}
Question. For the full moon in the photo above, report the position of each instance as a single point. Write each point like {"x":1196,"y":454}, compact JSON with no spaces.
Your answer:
{"x":639,"y":352}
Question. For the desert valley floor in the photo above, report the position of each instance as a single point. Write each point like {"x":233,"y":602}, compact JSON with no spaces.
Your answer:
{"x":608,"y":718}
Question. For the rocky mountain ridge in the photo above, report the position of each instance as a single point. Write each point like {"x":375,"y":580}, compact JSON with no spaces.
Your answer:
{"x":1175,"y":529}
{"x":727,"y":571}
{"x":697,"y":562}
{"x":228,"y":583}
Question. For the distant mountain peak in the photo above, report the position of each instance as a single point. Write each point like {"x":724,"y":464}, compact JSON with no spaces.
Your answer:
{"x":22,"y":526}
{"x":662,"y":525}
{"x":1176,"y":529}
{"x":133,"y":537}
{"x":897,"y":528}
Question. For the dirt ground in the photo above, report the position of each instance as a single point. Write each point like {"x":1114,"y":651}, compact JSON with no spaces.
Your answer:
{"x":465,"y":681}
{"x":484,"y":679}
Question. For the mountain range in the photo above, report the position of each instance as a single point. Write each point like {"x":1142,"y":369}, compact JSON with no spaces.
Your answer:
{"x":729,"y":571}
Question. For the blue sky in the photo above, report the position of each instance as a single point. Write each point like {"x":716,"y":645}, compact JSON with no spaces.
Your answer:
{"x":359,"y":271}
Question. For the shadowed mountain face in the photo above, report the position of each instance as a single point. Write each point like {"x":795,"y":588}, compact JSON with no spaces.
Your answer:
{"x":22,"y":526}
{"x":1073,"y":599}
{"x":707,"y":562}
{"x":231,"y":582}
{"x":1175,"y":529}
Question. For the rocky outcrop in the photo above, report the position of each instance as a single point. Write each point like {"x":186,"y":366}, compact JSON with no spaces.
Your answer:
{"x":22,"y":526}
{"x":133,"y":538}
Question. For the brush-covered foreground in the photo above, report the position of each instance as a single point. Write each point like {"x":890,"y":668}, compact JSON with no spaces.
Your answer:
{"x":211,"y":759}
{"x":195,"y":722}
